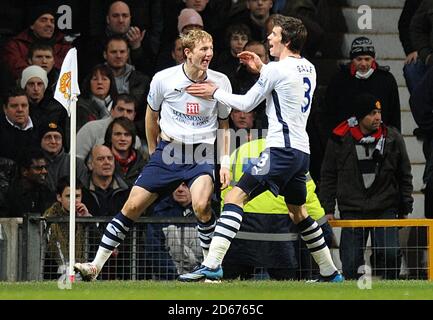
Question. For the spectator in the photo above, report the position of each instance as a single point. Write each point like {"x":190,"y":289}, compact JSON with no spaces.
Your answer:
{"x":120,"y":138}
{"x":361,"y":75}
{"x":42,"y":28}
{"x":172,"y":249}
{"x":43,"y":108}
{"x":58,"y":233}
{"x":366,"y":169}
{"x":7,"y":174}
{"x":176,"y":56}
{"x":96,"y":100}
{"x":42,"y":55}
{"x":28,"y":192}
{"x":128,"y":80}
{"x":143,"y":41}
{"x":177,"y":52}
{"x":17,"y":130}
{"x":414,"y":68}
{"x":307,"y":11}
{"x":58,"y":161}
{"x":237,"y":36}
{"x":35,"y":81}
{"x":93,"y":133}
{"x":242,"y":120}
{"x":189,"y":19}
{"x":215,"y":15}
{"x":421,"y":105}
{"x":104,"y":193}
{"x":245,"y":78}
{"x":421,"y":35}
{"x":255,"y":18}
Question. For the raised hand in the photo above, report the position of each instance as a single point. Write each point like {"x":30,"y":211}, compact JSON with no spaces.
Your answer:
{"x":81,"y":210}
{"x":251,"y":59}
{"x":135,"y":36}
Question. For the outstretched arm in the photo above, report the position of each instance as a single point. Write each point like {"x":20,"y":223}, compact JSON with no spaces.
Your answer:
{"x":252,"y":60}
{"x":246,"y":102}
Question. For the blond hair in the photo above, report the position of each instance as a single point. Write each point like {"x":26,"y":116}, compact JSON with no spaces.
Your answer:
{"x":192,"y":37}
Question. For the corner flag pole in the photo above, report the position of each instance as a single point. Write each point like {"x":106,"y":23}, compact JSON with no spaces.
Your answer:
{"x":67,"y":92}
{"x":72,"y":174}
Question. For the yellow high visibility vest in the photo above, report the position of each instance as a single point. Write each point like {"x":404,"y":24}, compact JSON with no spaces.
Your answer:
{"x":266,"y":203}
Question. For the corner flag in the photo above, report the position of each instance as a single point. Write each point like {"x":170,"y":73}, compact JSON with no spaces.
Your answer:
{"x":67,"y":86}
{"x":67,"y":91}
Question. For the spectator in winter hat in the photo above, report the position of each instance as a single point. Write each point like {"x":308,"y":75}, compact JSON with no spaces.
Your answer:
{"x":361,"y":75}
{"x":43,"y":107}
{"x":34,"y":81}
{"x":51,"y":137}
{"x":189,"y":19}
{"x":366,"y":171}
{"x":41,"y":28}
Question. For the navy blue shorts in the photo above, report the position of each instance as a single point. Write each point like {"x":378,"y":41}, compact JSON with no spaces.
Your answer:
{"x":279,"y":170}
{"x":173,"y":163}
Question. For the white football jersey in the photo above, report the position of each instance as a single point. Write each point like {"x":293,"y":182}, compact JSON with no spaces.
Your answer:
{"x":184,"y":117}
{"x":288,"y":86}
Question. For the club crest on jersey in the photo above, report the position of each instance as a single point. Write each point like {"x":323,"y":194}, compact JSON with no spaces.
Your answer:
{"x":192,"y":108}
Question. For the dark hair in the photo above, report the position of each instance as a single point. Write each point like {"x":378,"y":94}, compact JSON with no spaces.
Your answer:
{"x":13,"y":92}
{"x":258,"y":43}
{"x":293,"y":31}
{"x":65,"y":182}
{"x":27,"y":155}
{"x":127,"y":98}
{"x":116,"y":37}
{"x":39,"y":46}
{"x":237,"y":28}
{"x":105,"y":71}
{"x":126,"y":124}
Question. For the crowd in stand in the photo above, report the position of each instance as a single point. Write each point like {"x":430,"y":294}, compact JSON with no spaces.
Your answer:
{"x":122,"y":44}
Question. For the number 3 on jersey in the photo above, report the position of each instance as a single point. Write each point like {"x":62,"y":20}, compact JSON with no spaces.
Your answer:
{"x":307,"y":96}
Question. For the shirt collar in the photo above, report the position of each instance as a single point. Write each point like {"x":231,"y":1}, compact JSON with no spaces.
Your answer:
{"x":27,"y":127}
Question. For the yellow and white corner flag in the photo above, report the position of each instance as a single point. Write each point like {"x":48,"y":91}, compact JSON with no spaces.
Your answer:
{"x":67,"y":85}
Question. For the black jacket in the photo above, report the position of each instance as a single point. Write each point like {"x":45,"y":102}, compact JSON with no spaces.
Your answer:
{"x":421,"y":103}
{"x":341,"y":178}
{"x":12,"y":140}
{"x":343,"y":88}
{"x":409,"y":9}
{"x":117,"y":197}
{"x":25,"y":198}
{"x":421,"y":30}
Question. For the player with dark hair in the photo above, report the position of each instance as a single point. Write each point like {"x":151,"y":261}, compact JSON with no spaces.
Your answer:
{"x":288,"y":86}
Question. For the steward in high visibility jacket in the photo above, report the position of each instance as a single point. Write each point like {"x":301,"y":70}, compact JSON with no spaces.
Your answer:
{"x":267,"y":237}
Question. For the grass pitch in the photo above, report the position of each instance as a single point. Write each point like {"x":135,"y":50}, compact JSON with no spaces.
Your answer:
{"x":233,"y":290}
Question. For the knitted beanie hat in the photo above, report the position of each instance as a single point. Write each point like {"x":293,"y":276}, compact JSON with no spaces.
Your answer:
{"x":188,"y":17}
{"x":362,"y":46}
{"x":33,"y":72}
{"x":364,"y":104}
